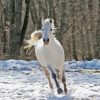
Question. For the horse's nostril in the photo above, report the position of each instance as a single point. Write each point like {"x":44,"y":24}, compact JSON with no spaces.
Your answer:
{"x":45,"y":40}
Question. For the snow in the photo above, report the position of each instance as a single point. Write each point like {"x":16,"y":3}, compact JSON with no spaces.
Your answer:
{"x":93,"y":64}
{"x":24,"y":80}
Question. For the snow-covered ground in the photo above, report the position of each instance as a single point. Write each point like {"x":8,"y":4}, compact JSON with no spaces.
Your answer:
{"x":24,"y":80}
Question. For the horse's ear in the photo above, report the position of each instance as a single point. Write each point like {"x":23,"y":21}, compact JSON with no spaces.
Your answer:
{"x":50,"y":20}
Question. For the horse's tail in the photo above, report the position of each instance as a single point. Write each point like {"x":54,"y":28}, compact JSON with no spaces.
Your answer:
{"x":35,"y":36}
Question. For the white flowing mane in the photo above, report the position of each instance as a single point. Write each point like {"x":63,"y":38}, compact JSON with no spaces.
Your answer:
{"x":35,"y":36}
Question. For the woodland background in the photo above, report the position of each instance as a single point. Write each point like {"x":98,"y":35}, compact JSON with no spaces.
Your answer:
{"x":77,"y":23}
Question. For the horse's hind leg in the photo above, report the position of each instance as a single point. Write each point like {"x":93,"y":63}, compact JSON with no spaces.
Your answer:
{"x":48,"y":77}
{"x":64,"y":83}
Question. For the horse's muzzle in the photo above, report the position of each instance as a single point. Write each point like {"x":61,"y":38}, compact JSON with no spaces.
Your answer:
{"x":46,"y":41}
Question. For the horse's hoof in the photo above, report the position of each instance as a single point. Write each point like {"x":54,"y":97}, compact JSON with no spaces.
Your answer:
{"x":59,"y":91}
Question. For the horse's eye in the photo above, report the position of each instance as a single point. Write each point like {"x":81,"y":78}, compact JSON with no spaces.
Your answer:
{"x":51,"y":29}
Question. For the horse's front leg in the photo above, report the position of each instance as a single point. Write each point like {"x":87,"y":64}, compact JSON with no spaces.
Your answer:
{"x":48,"y":77}
{"x":59,"y":90}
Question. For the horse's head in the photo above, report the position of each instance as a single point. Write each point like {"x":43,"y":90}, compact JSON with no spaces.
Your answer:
{"x":47,"y":29}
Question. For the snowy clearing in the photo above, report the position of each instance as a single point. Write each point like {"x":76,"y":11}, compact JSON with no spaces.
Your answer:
{"x":22,"y":80}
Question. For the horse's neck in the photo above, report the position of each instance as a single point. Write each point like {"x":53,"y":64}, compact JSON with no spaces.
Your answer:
{"x":52,"y":39}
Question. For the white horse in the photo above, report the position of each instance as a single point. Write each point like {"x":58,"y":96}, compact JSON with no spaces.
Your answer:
{"x":49,"y":53}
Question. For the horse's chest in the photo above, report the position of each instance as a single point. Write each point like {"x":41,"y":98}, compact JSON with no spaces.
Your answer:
{"x":46,"y":55}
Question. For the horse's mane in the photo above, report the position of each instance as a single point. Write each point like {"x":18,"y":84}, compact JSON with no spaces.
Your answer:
{"x":35,"y":36}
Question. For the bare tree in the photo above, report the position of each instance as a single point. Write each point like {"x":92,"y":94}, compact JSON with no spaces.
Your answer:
{"x":77,"y":25}
{"x":12,"y":26}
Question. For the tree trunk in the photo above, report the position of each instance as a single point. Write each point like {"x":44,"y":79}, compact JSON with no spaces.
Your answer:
{"x":50,"y":8}
{"x":25,"y":23}
{"x":13,"y":12}
{"x":98,"y":34}
{"x":72,"y":7}
{"x":1,"y":35}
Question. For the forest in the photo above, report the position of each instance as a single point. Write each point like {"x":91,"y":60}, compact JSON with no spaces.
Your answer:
{"x":77,"y":23}
{"x":40,"y":72}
